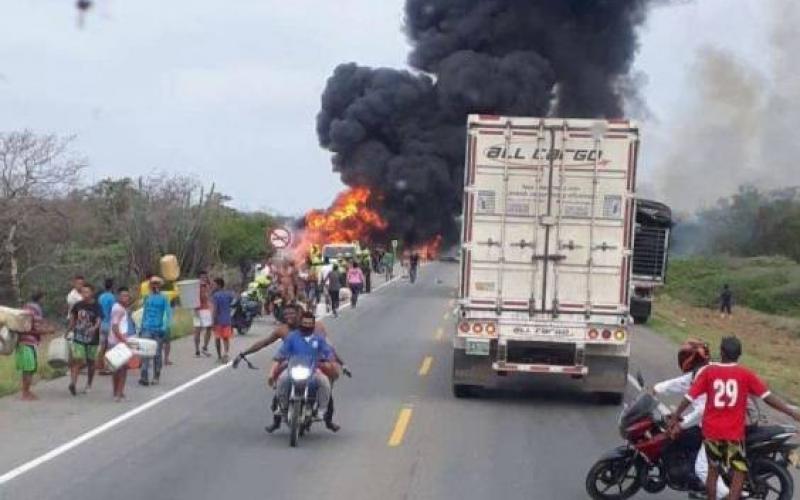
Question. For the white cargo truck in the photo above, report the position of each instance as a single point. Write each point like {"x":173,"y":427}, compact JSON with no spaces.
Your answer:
{"x":547,"y":240}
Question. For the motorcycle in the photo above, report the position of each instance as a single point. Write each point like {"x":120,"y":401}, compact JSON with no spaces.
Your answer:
{"x":245,"y":310}
{"x":303,"y":407}
{"x":651,"y":461}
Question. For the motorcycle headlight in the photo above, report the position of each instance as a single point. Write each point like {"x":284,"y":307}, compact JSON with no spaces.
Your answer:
{"x":300,"y":373}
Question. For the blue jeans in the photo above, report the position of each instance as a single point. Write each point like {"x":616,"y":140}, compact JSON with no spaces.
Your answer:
{"x":159,"y":338}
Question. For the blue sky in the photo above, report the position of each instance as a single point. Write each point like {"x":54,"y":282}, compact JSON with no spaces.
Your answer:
{"x":228,"y":91}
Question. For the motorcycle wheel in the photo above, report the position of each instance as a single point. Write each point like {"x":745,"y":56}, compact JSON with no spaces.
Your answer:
{"x":770,"y":481}
{"x":295,"y":414}
{"x":614,"y":479}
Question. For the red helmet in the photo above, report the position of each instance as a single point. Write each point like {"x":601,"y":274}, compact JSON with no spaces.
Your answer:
{"x":692,"y":355}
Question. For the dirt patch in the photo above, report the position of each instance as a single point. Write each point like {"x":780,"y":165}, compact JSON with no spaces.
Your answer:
{"x":771,"y":343}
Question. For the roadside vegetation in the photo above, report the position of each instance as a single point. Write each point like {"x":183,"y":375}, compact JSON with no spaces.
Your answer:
{"x":54,"y":225}
{"x":729,"y":244}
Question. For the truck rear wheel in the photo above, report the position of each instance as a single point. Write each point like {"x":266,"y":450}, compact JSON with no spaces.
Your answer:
{"x":610,"y":398}
{"x":463,"y":391}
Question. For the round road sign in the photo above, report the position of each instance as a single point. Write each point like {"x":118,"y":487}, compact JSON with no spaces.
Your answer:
{"x":280,"y":238}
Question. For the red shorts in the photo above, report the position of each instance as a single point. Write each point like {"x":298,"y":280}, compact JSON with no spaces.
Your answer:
{"x":223,"y":332}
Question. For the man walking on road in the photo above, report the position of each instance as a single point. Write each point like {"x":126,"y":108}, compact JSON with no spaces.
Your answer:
{"x":726,"y":387}
{"x":202,"y":319}
{"x":413,"y":267}
{"x":355,"y":281}
{"x":334,"y":282}
{"x":388,"y":265}
{"x":222,"y":301}
{"x":84,"y":323}
{"x":156,"y":319}
{"x":121,"y":328}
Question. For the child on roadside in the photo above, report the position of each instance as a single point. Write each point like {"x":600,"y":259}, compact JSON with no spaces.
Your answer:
{"x":222,"y":301}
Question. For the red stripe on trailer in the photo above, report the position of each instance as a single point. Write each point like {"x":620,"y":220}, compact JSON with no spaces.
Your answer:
{"x":627,"y":224}
{"x":516,"y":302}
{"x":491,"y":132}
{"x":630,"y":166}
{"x":606,"y":308}
{"x":467,"y":274}
{"x":635,"y":164}
{"x":530,"y":134}
{"x":489,"y":117}
{"x":580,"y":136}
{"x":623,"y":280}
{"x":470,"y":215}
{"x":619,"y":120}
{"x":626,"y":302}
{"x":473,"y":145}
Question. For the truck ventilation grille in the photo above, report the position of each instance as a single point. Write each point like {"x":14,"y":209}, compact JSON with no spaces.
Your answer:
{"x":649,"y":253}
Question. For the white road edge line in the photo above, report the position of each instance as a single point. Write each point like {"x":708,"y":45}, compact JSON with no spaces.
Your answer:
{"x":50,"y":455}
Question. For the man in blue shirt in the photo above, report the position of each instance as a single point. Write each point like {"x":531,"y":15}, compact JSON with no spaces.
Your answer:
{"x":156,"y":318}
{"x":310,"y":348}
{"x":107,"y":299}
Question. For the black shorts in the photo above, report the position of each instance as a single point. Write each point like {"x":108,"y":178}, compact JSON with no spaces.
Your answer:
{"x":726,"y":454}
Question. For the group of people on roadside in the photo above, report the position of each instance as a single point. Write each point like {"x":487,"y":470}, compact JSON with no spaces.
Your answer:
{"x":98,"y":322}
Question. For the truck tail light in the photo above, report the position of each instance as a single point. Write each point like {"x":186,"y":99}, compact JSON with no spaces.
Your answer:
{"x":606,"y":334}
{"x":491,"y":329}
{"x":477,"y":328}
{"x":464,"y":327}
{"x":619,"y":335}
{"x":593,"y":334}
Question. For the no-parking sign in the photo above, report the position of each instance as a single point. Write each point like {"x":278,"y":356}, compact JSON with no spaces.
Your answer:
{"x":280,"y":238}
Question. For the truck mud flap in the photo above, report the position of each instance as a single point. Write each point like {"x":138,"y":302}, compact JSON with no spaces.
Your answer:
{"x":606,"y":374}
{"x":473,"y":370}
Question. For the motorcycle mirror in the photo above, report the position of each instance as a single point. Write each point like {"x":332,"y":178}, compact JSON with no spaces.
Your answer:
{"x":640,"y":379}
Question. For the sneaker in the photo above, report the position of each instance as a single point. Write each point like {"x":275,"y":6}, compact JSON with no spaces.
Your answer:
{"x":144,"y":382}
{"x":155,"y":381}
{"x":206,"y":353}
{"x":276,"y":424}
{"x":72,"y":390}
{"x":332,"y":426}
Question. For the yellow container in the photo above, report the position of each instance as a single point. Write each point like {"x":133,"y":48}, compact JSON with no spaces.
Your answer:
{"x":170,"y":269}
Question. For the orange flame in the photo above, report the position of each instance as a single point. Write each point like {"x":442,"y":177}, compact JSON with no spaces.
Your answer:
{"x":349,"y":219}
{"x":430,"y":249}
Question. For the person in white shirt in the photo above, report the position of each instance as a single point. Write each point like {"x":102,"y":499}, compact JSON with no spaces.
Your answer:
{"x":74,"y":296}
{"x":692,"y":356}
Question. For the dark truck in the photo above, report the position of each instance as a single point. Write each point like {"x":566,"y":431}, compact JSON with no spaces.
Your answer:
{"x":650,"y":255}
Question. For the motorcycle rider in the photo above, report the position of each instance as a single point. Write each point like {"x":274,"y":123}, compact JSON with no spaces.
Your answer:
{"x":312,"y":347}
{"x":692,"y":356}
{"x":331,"y":368}
{"x":726,"y":386}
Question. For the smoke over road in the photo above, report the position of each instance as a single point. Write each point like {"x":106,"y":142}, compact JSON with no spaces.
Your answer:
{"x":401,"y":133}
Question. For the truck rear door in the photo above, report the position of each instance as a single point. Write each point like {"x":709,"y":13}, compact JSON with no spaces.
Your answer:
{"x":548,"y":208}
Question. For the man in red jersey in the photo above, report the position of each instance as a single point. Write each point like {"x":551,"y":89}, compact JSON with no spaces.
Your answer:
{"x":727,"y":385}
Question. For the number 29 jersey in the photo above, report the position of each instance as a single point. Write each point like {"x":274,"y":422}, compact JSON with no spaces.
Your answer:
{"x":727,"y":387}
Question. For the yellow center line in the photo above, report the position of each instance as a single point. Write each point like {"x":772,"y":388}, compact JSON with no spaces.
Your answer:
{"x":439,"y":334}
{"x":425,"y":368}
{"x":403,"y":419}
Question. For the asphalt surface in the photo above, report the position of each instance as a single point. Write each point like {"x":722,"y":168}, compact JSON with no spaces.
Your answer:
{"x":208,"y":442}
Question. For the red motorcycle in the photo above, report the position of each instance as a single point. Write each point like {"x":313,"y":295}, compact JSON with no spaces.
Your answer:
{"x":651,"y":461}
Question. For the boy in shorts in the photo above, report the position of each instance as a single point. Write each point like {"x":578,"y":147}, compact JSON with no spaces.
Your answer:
{"x":222,"y":301}
{"x":84,"y":323}
{"x":203,"y":320}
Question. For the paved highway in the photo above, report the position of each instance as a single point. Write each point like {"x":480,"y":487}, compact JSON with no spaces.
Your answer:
{"x":404,"y":436}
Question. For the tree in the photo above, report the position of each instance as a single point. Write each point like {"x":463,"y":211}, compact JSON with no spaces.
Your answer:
{"x":34,"y":170}
{"x":242,"y":239}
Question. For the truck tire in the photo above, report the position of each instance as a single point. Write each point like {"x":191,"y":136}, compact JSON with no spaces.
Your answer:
{"x":463,"y":391}
{"x":610,"y":398}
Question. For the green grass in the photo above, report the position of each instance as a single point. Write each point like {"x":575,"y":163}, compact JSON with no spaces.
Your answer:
{"x":767,"y":284}
{"x":10,"y":378}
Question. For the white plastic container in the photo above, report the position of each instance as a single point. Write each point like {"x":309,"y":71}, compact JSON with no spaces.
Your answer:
{"x":17,"y":320}
{"x":119,"y":356}
{"x":58,"y":353}
{"x":8,"y":341}
{"x":190,"y":293}
{"x":144,"y":348}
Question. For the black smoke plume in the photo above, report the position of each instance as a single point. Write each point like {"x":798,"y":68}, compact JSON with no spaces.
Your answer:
{"x":402,"y":133}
